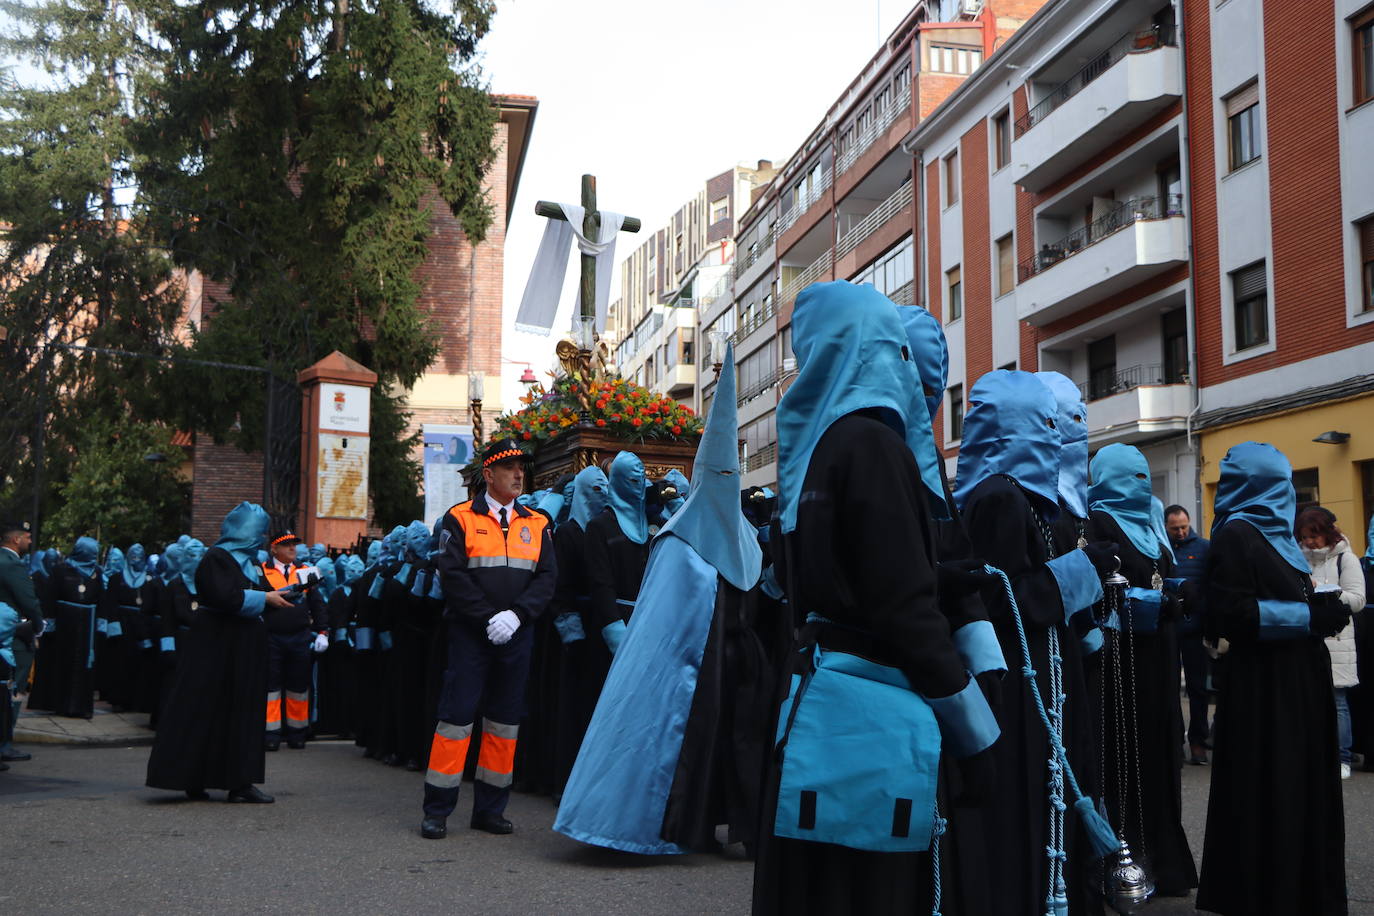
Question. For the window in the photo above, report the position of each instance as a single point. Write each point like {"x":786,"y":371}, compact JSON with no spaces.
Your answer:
{"x":1307,"y":483}
{"x":1242,"y":126}
{"x":952,"y":179}
{"x":891,"y":273}
{"x":720,"y":210}
{"x":1174,"y":327}
{"x":1102,"y":368}
{"x":687,"y":346}
{"x":1363,"y":30}
{"x":1009,"y":367}
{"x":1001,"y":140}
{"x":1006,"y":265}
{"x":956,"y":294}
{"x":1250,"y":291}
{"x":760,"y":441}
{"x":1366,"y":228}
{"x":956,"y":412}
{"x":670,"y":351}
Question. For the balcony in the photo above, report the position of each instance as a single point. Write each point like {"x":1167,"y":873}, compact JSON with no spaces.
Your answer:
{"x":803,"y":202}
{"x":1141,"y":238}
{"x":759,"y":387}
{"x":751,"y":323}
{"x":1134,"y":405}
{"x":1120,"y":89}
{"x":876,"y":129}
{"x":761,"y":458}
{"x":870,"y":223}
{"x":679,"y":381}
{"x":816,"y":270}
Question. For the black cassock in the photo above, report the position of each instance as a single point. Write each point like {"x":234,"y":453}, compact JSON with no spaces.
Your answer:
{"x":123,"y":608}
{"x":1155,"y":672}
{"x":1275,"y":840}
{"x":576,"y":695}
{"x":536,"y":755}
{"x":336,"y":696}
{"x":153,"y":678}
{"x":211,"y":733}
{"x":414,"y":619}
{"x":863,"y":556}
{"x":43,"y":690}
{"x":72,"y":599}
{"x":615,"y":567}
{"x":369,"y":662}
{"x":1006,"y":530}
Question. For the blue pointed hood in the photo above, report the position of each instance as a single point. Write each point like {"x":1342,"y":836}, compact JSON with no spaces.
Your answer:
{"x":317,"y":553}
{"x":1073,"y":442}
{"x":591,"y":495}
{"x":627,"y":496}
{"x":565,"y":511}
{"x":114,"y":564}
{"x":84,"y":555}
{"x":354,"y":569}
{"x":1256,"y":487}
{"x":243,"y":531}
{"x":183,"y":540}
{"x":930,"y":358}
{"x":679,"y":480}
{"x":1121,"y":488}
{"x":711,"y":521}
{"x":329,"y":576}
{"x":850,"y":345}
{"x":374,"y":554}
{"x":417,"y":541}
{"x":1010,"y":429}
{"x":171,"y":562}
{"x":135,"y":566}
{"x":191,"y":555}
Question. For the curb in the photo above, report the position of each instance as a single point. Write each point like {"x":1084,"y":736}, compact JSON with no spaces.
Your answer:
{"x":26,"y":736}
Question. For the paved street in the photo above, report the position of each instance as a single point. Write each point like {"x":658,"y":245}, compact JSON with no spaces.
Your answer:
{"x":84,"y":835}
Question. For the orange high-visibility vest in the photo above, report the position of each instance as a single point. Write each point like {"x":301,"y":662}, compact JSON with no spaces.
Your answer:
{"x":274,"y":576}
{"x":486,"y":548}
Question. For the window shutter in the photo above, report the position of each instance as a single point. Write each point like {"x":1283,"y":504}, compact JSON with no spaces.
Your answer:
{"x":1242,"y":99}
{"x":1249,"y":281}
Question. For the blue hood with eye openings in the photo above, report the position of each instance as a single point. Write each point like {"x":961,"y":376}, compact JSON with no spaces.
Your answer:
{"x":1010,"y":429}
{"x":627,"y":496}
{"x":244,"y":530}
{"x":1121,"y":488}
{"x":1256,"y":487}
{"x":1073,"y":442}
{"x":84,"y":555}
{"x":591,"y":491}
{"x":136,"y":566}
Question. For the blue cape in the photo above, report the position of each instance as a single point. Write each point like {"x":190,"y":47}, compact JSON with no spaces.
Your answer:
{"x":851,"y":355}
{"x":84,"y":555}
{"x":135,"y":566}
{"x":1073,"y":442}
{"x":1121,"y":488}
{"x":1256,"y":487}
{"x":617,"y":793}
{"x":627,"y":496}
{"x":591,"y":491}
{"x":191,"y":555}
{"x":1010,"y":429}
{"x":243,"y":531}
{"x":114,"y":564}
{"x":711,"y":520}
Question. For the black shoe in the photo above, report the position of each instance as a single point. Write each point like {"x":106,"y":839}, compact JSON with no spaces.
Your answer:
{"x":1197,"y":756}
{"x":197,"y":794}
{"x":250,"y":795}
{"x":10,"y":754}
{"x":391,"y":760}
{"x":296,"y":744}
{"x":492,"y":823}
{"x":434,"y":828}
{"x":413,"y":765}
{"x":273,"y":744}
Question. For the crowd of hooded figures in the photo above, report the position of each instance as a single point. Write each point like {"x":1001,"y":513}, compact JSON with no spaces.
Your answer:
{"x":901,"y":694}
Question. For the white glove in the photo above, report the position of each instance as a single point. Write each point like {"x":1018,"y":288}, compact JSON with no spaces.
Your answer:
{"x":502,"y":627}
{"x":321,"y":643}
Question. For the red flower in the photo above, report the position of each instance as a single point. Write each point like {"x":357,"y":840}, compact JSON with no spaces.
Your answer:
{"x":636,"y":422}
{"x":526,"y":435}
{"x":615,"y":416}
{"x":600,"y":422}
{"x":601,"y":404}
{"x":677,"y":430}
{"x":515,"y":424}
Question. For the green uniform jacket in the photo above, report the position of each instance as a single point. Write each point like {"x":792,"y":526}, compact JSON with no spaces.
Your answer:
{"x":16,"y":590}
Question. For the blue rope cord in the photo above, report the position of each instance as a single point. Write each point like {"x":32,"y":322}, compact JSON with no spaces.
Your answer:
{"x":936,"y":832}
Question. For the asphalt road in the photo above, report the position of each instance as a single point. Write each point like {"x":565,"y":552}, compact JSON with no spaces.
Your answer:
{"x":83,"y":834}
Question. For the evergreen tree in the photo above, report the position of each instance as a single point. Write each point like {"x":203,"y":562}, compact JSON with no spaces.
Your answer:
{"x":294,"y":152}
{"x":77,"y":267}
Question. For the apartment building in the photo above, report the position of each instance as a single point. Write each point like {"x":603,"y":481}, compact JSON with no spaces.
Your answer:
{"x":843,"y":205}
{"x":677,"y":271}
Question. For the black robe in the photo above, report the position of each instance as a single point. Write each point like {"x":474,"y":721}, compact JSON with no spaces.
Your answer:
{"x":1275,"y":840}
{"x":150,"y":687}
{"x":336,"y":679}
{"x":536,"y":754}
{"x":72,"y":599}
{"x":576,"y":695}
{"x":1008,"y":531}
{"x":211,"y":735}
{"x":1155,"y":672}
{"x":615,"y":567}
{"x":373,"y":728}
{"x":43,"y":688}
{"x":414,"y":619}
{"x":124,"y":606}
{"x":862,"y":555}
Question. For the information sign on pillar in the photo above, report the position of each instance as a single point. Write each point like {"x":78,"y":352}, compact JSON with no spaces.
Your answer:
{"x":336,"y":415}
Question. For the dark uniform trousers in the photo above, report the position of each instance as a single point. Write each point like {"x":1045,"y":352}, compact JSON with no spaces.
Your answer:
{"x":288,"y":677}
{"x":475,"y":666}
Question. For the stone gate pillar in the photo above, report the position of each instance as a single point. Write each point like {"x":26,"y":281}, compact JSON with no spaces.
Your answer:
{"x":336,"y":411}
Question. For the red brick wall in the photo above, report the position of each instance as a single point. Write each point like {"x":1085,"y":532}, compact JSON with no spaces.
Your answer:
{"x":1202,"y":192}
{"x":934,"y":88}
{"x":976,"y":270}
{"x":224,"y":477}
{"x":934,"y":297}
{"x":1024,"y":245}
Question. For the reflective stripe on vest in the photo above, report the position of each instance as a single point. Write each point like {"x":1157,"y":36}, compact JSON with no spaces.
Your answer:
{"x":486,"y":548}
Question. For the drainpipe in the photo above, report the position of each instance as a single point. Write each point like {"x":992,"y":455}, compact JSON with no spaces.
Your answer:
{"x":1185,"y":176}
{"x":918,"y":175}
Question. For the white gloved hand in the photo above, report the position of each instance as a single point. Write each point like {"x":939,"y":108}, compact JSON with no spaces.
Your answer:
{"x":502,"y":627}
{"x":321,"y":643}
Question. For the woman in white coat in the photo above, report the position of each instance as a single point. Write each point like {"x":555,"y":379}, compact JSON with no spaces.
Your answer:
{"x":1335,"y":565}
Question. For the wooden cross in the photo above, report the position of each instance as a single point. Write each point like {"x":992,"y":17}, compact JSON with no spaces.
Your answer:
{"x":591,"y":226}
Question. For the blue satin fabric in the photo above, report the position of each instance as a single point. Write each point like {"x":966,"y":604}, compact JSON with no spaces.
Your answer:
{"x":135,"y":566}
{"x":191,"y":555}
{"x":626,"y":496}
{"x":711,"y":520}
{"x":1121,"y":488}
{"x":1283,"y":619}
{"x":1010,"y":429}
{"x":979,"y":648}
{"x":114,"y":564}
{"x":618,"y":791}
{"x":243,"y":531}
{"x":929,"y":353}
{"x":1072,"y":421}
{"x":679,"y":480}
{"x":1079,"y":586}
{"x":85,"y":553}
{"x":591,"y":491}
{"x":1256,"y":487}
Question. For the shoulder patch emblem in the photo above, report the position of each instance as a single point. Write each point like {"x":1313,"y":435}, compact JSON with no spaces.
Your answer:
{"x":525,"y":535}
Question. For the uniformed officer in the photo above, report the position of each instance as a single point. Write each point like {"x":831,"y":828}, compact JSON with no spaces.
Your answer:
{"x":292,"y":632}
{"x":497,"y":570}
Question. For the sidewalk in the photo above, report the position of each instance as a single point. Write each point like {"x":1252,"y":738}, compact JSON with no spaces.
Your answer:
{"x":105,"y":728}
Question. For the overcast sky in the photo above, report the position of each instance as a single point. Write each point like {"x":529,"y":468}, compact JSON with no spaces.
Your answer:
{"x":653,"y":98}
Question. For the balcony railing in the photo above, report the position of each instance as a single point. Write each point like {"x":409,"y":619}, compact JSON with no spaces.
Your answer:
{"x":904,"y":294}
{"x":1127,"y":214}
{"x":1131,"y":43}
{"x":758,"y":388}
{"x":802,"y":202}
{"x":876,"y":129}
{"x":814,"y":271}
{"x":745,"y":258}
{"x":1105,"y":384}
{"x":753,"y":322}
{"x":870,"y":223}
{"x":762,"y":457}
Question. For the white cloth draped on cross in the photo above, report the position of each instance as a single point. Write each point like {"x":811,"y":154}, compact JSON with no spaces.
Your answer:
{"x":539,"y":305}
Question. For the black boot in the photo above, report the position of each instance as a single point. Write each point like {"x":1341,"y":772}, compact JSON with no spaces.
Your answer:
{"x":273,"y":743}
{"x":491,"y":823}
{"x":250,"y":795}
{"x":434,"y":828}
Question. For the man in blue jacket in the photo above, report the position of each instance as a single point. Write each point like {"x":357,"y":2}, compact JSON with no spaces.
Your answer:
{"x":1190,"y":551}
